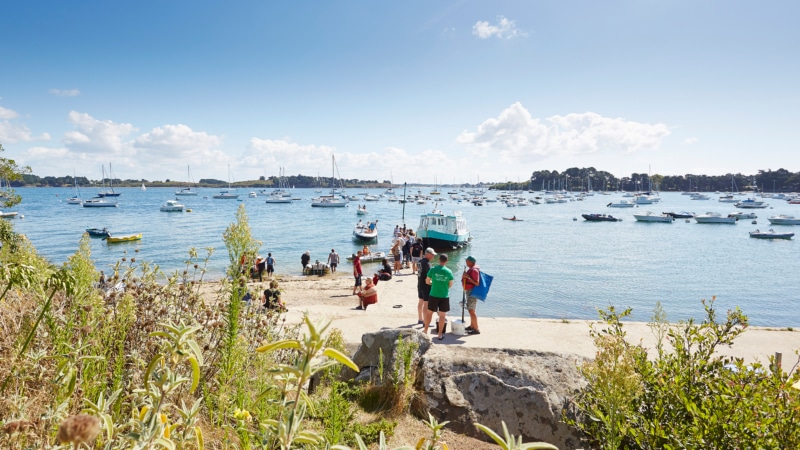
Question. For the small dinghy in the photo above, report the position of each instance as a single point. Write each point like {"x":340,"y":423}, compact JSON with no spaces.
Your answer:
{"x":771,"y":234}
{"x":124,"y":238}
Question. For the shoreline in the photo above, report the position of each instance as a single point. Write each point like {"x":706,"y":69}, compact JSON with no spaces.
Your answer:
{"x":329,"y":297}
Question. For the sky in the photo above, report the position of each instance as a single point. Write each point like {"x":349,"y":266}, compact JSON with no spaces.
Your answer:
{"x":414,"y":91}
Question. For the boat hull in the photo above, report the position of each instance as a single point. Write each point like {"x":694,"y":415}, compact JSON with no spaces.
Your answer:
{"x":124,"y":238}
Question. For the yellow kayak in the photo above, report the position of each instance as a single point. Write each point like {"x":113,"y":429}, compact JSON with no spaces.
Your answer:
{"x":124,"y":238}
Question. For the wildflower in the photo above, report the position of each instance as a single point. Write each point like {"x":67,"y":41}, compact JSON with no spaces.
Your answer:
{"x":242,"y":414}
{"x":80,"y":429}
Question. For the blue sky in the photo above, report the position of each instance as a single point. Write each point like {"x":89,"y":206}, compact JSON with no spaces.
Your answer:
{"x":458,"y":91}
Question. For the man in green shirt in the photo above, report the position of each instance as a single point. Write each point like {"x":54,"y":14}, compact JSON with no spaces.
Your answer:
{"x":440,"y":278}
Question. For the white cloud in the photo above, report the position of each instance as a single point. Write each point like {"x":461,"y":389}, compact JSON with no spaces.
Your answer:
{"x":6,"y":113}
{"x":11,"y":133}
{"x":65,"y":92}
{"x":690,"y":141}
{"x":503,"y":29}
{"x":97,"y":136}
{"x":516,"y":137}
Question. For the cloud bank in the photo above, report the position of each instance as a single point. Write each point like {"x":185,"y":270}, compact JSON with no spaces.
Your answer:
{"x":12,"y":132}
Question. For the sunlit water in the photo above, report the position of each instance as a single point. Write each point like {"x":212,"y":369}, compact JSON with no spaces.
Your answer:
{"x":547,"y":266}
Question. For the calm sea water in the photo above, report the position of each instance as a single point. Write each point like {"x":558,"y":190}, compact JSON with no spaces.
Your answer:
{"x":548,"y":266}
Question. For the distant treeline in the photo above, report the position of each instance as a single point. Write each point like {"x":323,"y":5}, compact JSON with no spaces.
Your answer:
{"x":575,"y":179}
{"x":299,"y":181}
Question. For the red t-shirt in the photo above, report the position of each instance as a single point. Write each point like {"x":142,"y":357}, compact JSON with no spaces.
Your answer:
{"x":472,"y":274}
{"x":357,"y":265}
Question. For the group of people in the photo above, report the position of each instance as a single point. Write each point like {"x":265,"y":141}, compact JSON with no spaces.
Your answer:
{"x":258,"y":266}
{"x":406,"y":249}
{"x":270,"y":300}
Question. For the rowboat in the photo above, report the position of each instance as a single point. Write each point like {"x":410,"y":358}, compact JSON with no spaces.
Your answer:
{"x":124,"y":238}
{"x":97,"y":232}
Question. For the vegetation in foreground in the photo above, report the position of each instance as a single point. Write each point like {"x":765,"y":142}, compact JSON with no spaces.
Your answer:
{"x":141,"y":363}
{"x":687,"y":396}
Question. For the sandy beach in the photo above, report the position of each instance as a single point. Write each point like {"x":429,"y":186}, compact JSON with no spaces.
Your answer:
{"x":330,"y":297}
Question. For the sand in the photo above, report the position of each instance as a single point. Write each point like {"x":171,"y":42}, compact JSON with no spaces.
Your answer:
{"x":330,"y":297}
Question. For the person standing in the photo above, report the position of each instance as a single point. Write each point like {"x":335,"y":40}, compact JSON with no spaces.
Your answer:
{"x":440,"y":278}
{"x":469,"y":280}
{"x":305,"y":259}
{"x":270,"y":265}
{"x":423,"y":288}
{"x":333,"y":260}
{"x":416,"y":255}
{"x":357,"y":272}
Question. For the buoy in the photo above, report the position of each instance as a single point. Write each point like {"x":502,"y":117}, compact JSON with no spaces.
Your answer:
{"x":188,"y":210}
{"x":754,"y":222}
{"x":574,"y":219}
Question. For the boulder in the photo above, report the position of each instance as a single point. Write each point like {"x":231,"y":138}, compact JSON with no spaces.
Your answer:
{"x":367,"y":357}
{"x":527,"y":390}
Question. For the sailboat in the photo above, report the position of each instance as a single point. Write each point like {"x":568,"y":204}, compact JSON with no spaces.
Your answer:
{"x":110,"y":191}
{"x":144,"y":188}
{"x":435,"y":190}
{"x":281,"y":194}
{"x":333,"y":200}
{"x":75,"y":199}
{"x":187,"y":190}
{"x":226,"y":194}
{"x":101,"y":200}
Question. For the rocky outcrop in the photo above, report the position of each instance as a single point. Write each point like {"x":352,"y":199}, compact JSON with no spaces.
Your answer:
{"x":527,"y":390}
{"x":367,"y":356}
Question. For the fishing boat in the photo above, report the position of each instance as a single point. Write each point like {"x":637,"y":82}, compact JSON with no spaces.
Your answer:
{"x":771,"y":234}
{"x":365,"y":232}
{"x":99,"y":202}
{"x":714,"y":217}
{"x":783,"y":219}
{"x":226,"y":194}
{"x":98,"y":232}
{"x":187,"y":191}
{"x":441,"y":231}
{"x":172,"y":206}
{"x":653,"y":217}
{"x":600,"y":218}
{"x":124,"y":238}
{"x":335,"y":200}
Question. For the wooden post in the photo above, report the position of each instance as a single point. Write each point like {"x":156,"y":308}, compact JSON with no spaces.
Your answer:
{"x":778,"y":358}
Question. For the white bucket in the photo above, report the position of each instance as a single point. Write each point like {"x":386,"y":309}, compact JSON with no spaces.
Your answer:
{"x":459,"y":327}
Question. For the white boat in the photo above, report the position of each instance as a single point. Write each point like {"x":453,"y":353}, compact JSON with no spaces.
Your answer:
{"x":713,"y":217}
{"x":75,"y":199}
{"x":8,"y":215}
{"x":363,"y":232}
{"x":144,"y":188}
{"x":99,"y":202}
{"x":438,"y":230}
{"x":743,"y":215}
{"x":278,"y":198}
{"x":226,"y":194}
{"x":783,"y":219}
{"x":172,"y":206}
{"x":252,"y":194}
{"x":728,"y":199}
{"x":372,"y":257}
{"x":361,"y":211}
{"x":621,"y":204}
{"x":653,"y":217}
{"x":334,"y":200}
{"x":771,"y":234}
{"x":187,"y":190}
{"x":110,"y":191}
{"x":371,"y":198}
{"x":751,"y":203}
{"x":699,"y":196}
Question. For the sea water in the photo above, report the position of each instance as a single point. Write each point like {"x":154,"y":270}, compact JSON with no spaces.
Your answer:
{"x":553,"y":264}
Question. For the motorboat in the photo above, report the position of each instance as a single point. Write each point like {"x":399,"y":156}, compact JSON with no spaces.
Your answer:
{"x":371,"y":198}
{"x":329,"y":201}
{"x":172,"y":206}
{"x":98,"y":232}
{"x":714,"y":217}
{"x":600,"y":218}
{"x":751,"y":203}
{"x":8,"y":215}
{"x":124,"y":238}
{"x":743,"y":215}
{"x":728,"y":199}
{"x":653,"y":217}
{"x":621,"y":204}
{"x":278,"y":198}
{"x":698,"y":196}
{"x":783,"y":219}
{"x":365,"y":232}
{"x":252,"y":194}
{"x":680,"y":215}
{"x":771,"y":234}
{"x":99,"y":202}
{"x":441,"y":231}
{"x":361,"y":211}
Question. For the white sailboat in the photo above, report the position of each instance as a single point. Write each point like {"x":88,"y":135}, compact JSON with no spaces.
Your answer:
{"x":226,"y":194}
{"x":75,"y":199}
{"x":110,"y":191}
{"x":334,"y":200}
{"x":187,"y":190}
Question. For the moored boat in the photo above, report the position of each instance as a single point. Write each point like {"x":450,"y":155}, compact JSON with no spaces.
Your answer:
{"x":99,"y":202}
{"x":372,"y":257}
{"x":600,"y":218}
{"x":680,"y":215}
{"x":8,"y":215}
{"x":713,"y":217}
{"x":621,"y":204}
{"x":98,"y":233}
{"x":124,"y":238}
{"x":653,"y":217}
{"x":743,"y":215}
{"x":172,"y":206}
{"x":783,"y":219}
{"x":771,"y":234}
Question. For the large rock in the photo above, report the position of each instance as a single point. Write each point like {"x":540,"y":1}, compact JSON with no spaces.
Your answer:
{"x":367,"y":357}
{"x":527,"y":390}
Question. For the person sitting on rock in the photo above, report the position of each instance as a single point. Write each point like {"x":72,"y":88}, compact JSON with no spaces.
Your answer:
{"x":368,"y":296}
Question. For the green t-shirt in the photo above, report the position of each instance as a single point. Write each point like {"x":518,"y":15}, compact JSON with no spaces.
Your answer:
{"x":440,"y":281}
